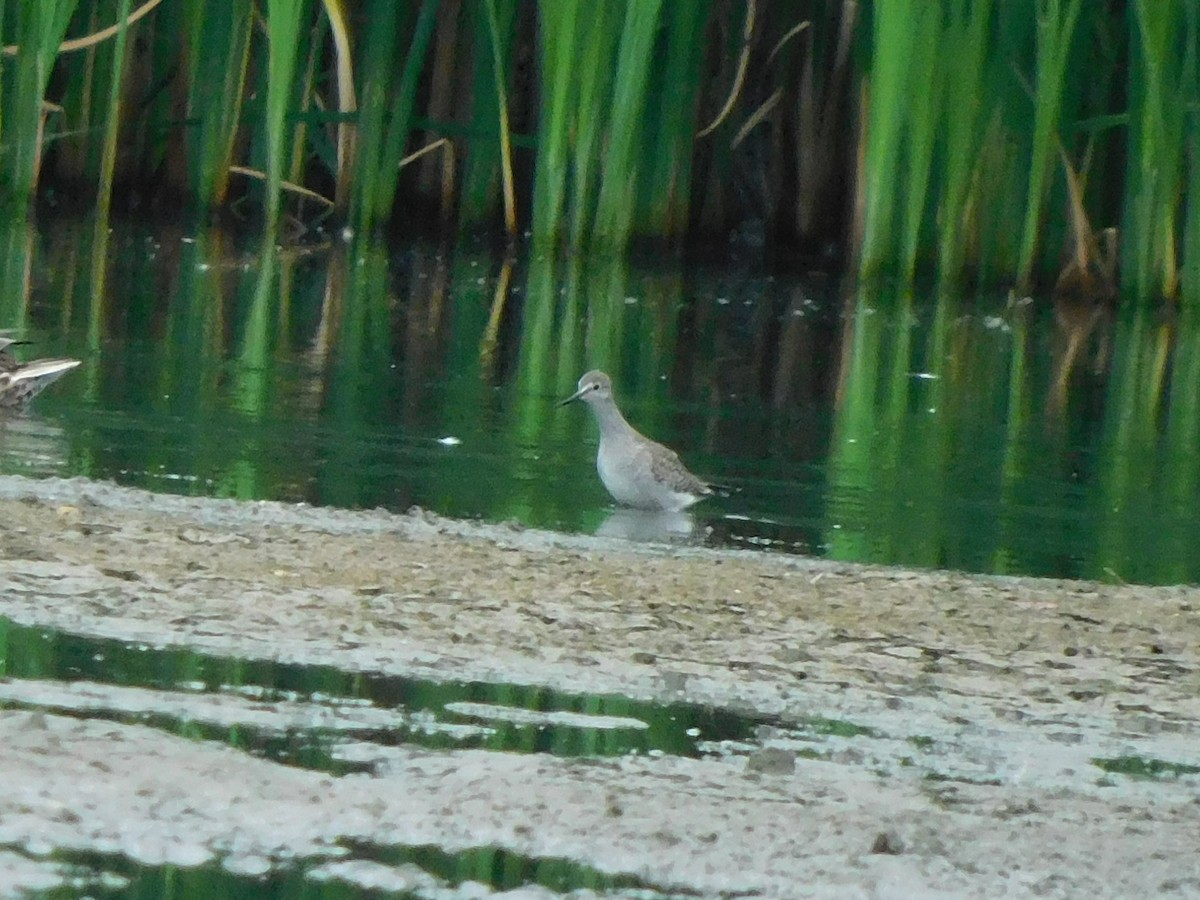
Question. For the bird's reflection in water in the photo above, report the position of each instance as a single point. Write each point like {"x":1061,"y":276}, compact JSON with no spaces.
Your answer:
{"x":643,"y":525}
{"x":30,"y":445}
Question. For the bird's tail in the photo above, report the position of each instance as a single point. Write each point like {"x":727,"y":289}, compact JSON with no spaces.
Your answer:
{"x":722,"y":490}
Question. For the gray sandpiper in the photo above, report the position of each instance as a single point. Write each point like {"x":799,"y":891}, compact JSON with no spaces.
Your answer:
{"x":636,"y":471}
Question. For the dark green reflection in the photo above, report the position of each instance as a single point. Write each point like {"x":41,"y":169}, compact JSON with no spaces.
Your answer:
{"x":496,"y":868}
{"x":1141,"y":767}
{"x":675,"y":729}
{"x":915,"y":427}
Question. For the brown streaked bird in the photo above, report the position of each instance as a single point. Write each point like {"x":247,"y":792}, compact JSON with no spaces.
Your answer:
{"x":21,"y":382}
{"x":8,"y":362}
{"x":635,"y":470}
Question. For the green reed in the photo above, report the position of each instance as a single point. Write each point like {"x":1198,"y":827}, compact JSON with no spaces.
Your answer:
{"x":103,"y":133}
{"x":480,"y":191}
{"x":284,"y":19}
{"x":113,"y":115}
{"x":84,"y":104}
{"x":217,"y":56}
{"x":1190,"y":273}
{"x":924,"y":116}
{"x":36,"y":30}
{"x":894,"y":38}
{"x":993,"y":210}
{"x":389,"y":76}
{"x":557,"y":51}
{"x":968,"y":107}
{"x":593,"y":87}
{"x":1055,"y":31}
{"x":1163,"y":121}
{"x":16,"y":262}
{"x":965,"y":107}
{"x":663,"y":198}
{"x":942,"y":94}
{"x":615,"y":206}
{"x":605,"y":147}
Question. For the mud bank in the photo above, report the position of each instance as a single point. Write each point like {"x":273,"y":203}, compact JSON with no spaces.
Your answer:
{"x":1012,"y":686}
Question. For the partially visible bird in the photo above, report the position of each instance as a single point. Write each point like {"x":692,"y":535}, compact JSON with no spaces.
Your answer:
{"x":21,"y":382}
{"x":635,"y":470}
{"x":7,"y":360}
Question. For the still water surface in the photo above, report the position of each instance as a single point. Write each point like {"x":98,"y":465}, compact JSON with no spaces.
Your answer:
{"x":988,"y":433}
{"x":333,"y":720}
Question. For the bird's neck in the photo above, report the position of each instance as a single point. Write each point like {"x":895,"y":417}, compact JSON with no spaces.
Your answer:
{"x":610,"y":418}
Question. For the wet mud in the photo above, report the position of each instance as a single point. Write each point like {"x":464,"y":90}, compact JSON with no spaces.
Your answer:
{"x":932,"y":734}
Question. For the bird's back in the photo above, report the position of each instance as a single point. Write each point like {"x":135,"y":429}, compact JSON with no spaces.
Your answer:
{"x":645,"y":474}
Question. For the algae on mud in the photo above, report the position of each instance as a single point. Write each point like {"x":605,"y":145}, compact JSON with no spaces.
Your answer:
{"x":1001,"y":692}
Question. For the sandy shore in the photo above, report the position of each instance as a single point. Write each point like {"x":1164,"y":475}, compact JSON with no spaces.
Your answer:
{"x":1011,"y":688}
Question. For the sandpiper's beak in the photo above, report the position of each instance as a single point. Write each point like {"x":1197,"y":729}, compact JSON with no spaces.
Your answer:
{"x":575,"y":396}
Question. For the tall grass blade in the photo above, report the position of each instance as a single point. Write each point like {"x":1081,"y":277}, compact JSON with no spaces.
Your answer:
{"x":506,"y":164}
{"x":664,"y":189}
{"x":592,"y":77}
{"x":1163,"y":94}
{"x":965,"y":104}
{"x":925,"y":115}
{"x":339,"y":26}
{"x":1056,"y":20}
{"x":217,"y":56}
{"x":113,"y":117}
{"x":38,"y":29}
{"x":85,"y":68}
{"x":284,"y":20}
{"x":615,"y":206}
{"x":388,"y":94}
{"x":966,"y":100}
{"x":557,"y":52}
{"x":1190,"y":274}
{"x":16,"y":270}
{"x":481,"y":182}
{"x":886,"y":100}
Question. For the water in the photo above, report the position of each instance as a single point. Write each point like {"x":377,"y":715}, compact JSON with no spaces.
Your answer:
{"x":399,"y":873}
{"x":320,"y":711}
{"x":284,"y":713}
{"x":986,"y":433}
{"x":319,"y":717}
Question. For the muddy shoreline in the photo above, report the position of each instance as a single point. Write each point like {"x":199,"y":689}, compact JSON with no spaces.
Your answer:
{"x":1018,"y":683}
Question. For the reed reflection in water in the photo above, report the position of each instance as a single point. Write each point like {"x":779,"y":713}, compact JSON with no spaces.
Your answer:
{"x":988,"y":433}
